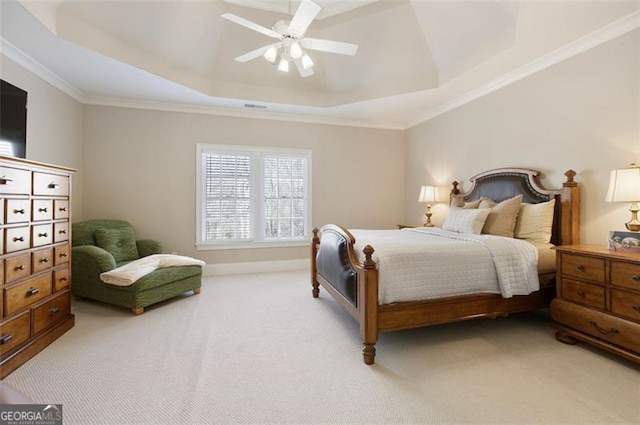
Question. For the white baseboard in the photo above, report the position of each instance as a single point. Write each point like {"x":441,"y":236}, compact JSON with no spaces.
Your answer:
{"x":255,"y":267}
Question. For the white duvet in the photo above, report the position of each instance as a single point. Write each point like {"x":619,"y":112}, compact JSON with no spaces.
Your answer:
{"x":424,"y":263}
{"x":129,"y":273}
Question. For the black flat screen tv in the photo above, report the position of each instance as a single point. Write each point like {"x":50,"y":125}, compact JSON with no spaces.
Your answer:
{"x":13,"y":120}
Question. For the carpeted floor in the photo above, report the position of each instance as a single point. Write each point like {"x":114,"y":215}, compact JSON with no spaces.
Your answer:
{"x":257,"y":348}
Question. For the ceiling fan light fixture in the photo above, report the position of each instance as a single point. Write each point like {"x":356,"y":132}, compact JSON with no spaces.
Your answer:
{"x":271,"y":54}
{"x":295,"y":50}
{"x":283,"y":65}
{"x":306,"y":62}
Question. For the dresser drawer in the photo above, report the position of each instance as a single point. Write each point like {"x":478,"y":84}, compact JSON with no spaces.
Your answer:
{"x":42,"y":234}
{"x":41,"y":260}
{"x":612,"y":329}
{"x":42,"y":209}
{"x":60,"y":279}
{"x":18,"y":211}
{"x":14,"y":332}
{"x":61,"y":254}
{"x":583,"y":293}
{"x":2,"y":204}
{"x":14,"y":181}
{"x":17,"y":267}
{"x":50,"y":184}
{"x":16,"y":239}
{"x":19,"y":296}
{"x":60,"y":209}
{"x":51,"y":312}
{"x":60,"y":232}
{"x":625,"y":304}
{"x":625,"y":274}
{"x":582,"y":267}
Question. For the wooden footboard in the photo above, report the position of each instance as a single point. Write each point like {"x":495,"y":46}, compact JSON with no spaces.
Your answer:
{"x":335,"y":267}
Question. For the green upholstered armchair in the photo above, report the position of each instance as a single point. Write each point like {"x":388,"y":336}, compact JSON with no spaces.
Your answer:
{"x":99,"y":246}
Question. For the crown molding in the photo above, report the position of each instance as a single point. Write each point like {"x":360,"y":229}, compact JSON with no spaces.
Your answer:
{"x":236,"y":113}
{"x":18,"y":56}
{"x":609,"y":32}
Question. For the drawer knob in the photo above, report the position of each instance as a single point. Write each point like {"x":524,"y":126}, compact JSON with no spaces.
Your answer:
{"x":580,"y":292}
{"x":635,"y":277}
{"x":19,"y":239}
{"x":62,"y":209}
{"x":601,"y":330}
{"x":64,"y":279}
{"x":20,"y":267}
{"x":53,"y":310}
{"x":32,"y":291}
{"x":43,"y":235}
{"x":580,"y":267}
{"x":44,"y":260}
{"x":53,"y":185}
{"x":636,"y":307}
{"x":63,"y":255}
{"x":62,"y":232}
{"x":5,"y":338}
{"x":42,"y":210}
{"x":4,"y":180}
{"x":20,"y":211}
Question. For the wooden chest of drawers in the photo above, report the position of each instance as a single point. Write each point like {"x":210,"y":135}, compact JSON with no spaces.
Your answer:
{"x":35,"y":258}
{"x":598,"y":298}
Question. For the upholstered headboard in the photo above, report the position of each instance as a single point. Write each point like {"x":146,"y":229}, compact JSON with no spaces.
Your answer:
{"x":505,"y":183}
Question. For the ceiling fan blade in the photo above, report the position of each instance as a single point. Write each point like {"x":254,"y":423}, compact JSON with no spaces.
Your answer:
{"x":251,"y":25}
{"x":254,"y":53}
{"x":304,"y":73}
{"x":329,"y":46}
{"x":306,"y":13}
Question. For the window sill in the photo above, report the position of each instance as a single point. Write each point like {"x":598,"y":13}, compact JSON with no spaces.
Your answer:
{"x":251,"y":245}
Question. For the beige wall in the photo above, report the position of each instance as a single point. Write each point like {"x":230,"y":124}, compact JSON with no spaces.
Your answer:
{"x":54,"y":124}
{"x":139,"y":165}
{"x":583,"y":114}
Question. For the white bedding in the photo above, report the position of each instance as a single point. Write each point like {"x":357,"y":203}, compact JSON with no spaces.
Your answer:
{"x":424,"y":263}
{"x":129,"y":273}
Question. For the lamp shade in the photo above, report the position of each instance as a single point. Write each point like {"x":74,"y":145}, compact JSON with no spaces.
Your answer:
{"x":624,"y":185}
{"x":427,"y":194}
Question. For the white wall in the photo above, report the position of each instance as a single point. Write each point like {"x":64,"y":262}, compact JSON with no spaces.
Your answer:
{"x":583,"y":114}
{"x":139,"y":165}
{"x":54,"y":124}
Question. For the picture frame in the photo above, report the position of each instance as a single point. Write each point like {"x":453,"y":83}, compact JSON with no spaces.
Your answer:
{"x":623,"y":241}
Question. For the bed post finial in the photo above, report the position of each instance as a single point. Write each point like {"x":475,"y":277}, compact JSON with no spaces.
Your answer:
{"x":455,"y":190}
{"x":570,"y":174}
{"x":368,"y":261}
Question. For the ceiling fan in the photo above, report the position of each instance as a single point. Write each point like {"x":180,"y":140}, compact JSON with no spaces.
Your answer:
{"x":292,"y":43}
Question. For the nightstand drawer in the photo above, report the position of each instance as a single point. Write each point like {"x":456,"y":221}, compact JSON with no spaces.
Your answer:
{"x":582,"y":267}
{"x":583,"y":293}
{"x":600,"y":325}
{"x":625,"y":274}
{"x":625,"y":304}
{"x":29,"y":292}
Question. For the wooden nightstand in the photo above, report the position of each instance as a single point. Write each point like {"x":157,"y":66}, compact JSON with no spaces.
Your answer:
{"x":403,"y":226}
{"x":598,"y":298}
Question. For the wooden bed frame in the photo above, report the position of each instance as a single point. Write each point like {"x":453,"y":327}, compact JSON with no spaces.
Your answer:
{"x":355,"y":285}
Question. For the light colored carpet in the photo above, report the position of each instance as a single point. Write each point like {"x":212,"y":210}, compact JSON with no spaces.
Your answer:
{"x":259,"y":349}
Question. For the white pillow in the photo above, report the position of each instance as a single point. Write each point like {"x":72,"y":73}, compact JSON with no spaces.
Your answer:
{"x":535,"y":221}
{"x":466,"y":220}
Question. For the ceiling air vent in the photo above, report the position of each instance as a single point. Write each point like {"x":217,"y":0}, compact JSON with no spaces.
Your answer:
{"x":254,"y":106}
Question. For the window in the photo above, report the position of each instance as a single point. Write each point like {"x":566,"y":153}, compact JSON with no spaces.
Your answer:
{"x":252,"y":196}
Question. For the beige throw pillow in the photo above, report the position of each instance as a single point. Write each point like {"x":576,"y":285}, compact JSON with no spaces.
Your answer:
{"x":465,"y":220}
{"x":535,"y":221}
{"x":502,"y":218}
{"x":458,"y":202}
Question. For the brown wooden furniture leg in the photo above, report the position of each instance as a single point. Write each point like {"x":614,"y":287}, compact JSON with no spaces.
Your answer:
{"x":196,"y":290}
{"x":138,"y":311}
{"x":567,"y":339}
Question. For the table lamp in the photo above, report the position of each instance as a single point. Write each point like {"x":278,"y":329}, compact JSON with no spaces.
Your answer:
{"x":427,"y":196}
{"x":624,"y":186}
